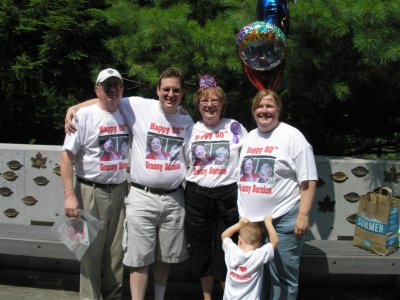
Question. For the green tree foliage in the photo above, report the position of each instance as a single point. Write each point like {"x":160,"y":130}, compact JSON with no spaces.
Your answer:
{"x":48,"y":50}
{"x":340,"y":86}
{"x":196,"y":36}
{"x":342,"y":75}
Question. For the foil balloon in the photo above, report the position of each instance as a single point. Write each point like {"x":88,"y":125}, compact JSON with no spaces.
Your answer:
{"x":274,"y":12}
{"x":265,"y":79}
{"x":261,"y":46}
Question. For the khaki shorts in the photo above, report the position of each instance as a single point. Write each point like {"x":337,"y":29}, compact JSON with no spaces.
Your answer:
{"x":154,"y":228}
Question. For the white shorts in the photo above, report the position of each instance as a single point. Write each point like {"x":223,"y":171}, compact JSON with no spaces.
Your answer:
{"x":154,"y":228}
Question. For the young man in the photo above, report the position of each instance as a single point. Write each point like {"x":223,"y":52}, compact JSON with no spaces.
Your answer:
{"x":101,"y":186}
{"x":155,"y":205}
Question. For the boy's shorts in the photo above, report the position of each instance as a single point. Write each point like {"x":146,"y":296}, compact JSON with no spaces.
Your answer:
{"x":154,"y":228}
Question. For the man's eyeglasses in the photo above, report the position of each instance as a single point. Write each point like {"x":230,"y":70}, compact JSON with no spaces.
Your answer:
{"x":108,"y":86}
{"x":166,"y":90}
{"x":206,"y":102}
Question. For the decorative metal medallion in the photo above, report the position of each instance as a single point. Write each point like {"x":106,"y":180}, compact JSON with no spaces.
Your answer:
{"x":39,"y":161}
{"x":352,"y":218}
{"x":10,"y":175}
{"x":5,"y":191}
{"x":57,"y":171}
{"x":352,"y":197}
{"x":11,"y":212}
{"x":29,"y":200}
{"x":40,"y":180}
{"x":339,"y":177}
{"x":359,"y":171}
{"x":14,"y":165}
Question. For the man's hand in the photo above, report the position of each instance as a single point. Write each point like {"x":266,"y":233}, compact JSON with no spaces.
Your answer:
{"x":71,"y":115}
{"x":68,"y":122}
{"x":182,"y":111}
{"x":71,"y":206}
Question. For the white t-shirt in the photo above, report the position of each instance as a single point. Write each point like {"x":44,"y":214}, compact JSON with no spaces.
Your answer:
{"x":212,"y":153}
{"x":245,"y":270}
{"x":272,"y":167}
{"x":157,"y":144}
{"x":100,"y":145}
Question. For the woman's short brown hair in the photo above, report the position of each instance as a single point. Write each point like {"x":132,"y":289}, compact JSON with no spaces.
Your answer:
{"x":261,"y":94}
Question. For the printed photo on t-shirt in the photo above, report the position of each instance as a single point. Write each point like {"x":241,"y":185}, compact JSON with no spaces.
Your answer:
{"x":112,"y":147}
{"x":124,"y":148}
{"x":259,"y":169}
{"x":162,"y":147}
{"x":210,"y":153}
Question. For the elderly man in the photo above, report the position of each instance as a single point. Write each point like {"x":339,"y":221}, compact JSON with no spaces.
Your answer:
{"x":101,"y":186}
{"x":155,"y":204}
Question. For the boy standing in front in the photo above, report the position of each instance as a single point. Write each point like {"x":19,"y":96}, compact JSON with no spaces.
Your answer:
{"x":245,"y":261}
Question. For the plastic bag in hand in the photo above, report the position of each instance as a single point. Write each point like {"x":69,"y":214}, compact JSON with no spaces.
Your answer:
{"x":77,"y":234}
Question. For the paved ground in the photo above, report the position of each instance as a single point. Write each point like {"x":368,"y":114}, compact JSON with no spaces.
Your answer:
{"x":8,"y":292}
{"x":22,"y":284}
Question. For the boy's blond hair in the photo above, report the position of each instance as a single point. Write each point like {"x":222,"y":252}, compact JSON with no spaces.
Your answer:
{"x":251,"y":233}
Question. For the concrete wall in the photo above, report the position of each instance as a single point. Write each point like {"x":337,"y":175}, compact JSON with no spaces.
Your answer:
{"x":49,"y":197}
{"x":329,"y":217}
{"x":331,"y":210}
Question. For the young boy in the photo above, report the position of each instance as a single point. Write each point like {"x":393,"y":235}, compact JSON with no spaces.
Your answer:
{"x":245,"y":261}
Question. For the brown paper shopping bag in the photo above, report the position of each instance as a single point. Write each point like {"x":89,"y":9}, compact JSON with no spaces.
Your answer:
{"x":377,"y":222}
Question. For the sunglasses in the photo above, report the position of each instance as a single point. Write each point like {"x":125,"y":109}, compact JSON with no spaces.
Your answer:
{"x":109,"y":86}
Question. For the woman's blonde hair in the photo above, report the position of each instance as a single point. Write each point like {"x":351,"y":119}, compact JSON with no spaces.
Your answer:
{"x":201,"y":92}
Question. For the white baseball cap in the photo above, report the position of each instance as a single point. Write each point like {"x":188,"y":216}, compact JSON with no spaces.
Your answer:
{"x":107,"y":73}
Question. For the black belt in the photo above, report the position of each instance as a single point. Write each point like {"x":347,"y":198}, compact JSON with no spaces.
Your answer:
{"x":96,"y":184}
{"x":155,"y":190}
